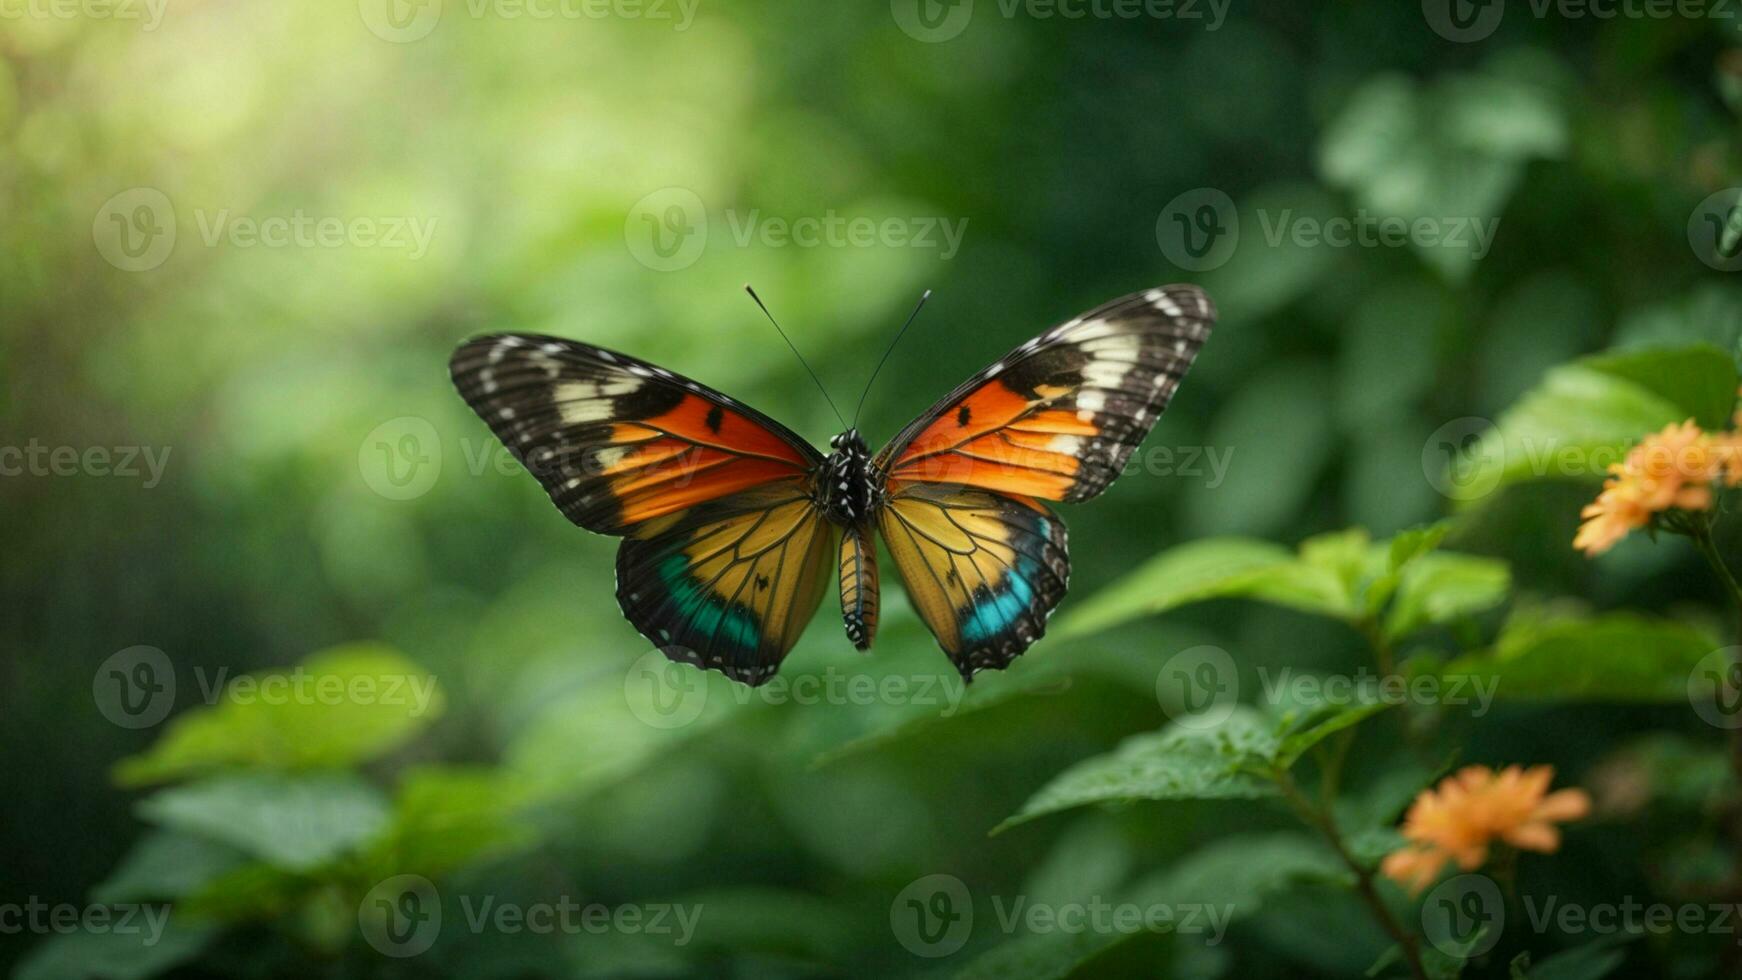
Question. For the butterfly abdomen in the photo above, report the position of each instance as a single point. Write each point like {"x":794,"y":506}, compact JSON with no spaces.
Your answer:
{"x":859,"y":585}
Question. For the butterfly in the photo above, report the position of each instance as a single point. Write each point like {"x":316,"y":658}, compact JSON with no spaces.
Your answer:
{"x":732,"y":524}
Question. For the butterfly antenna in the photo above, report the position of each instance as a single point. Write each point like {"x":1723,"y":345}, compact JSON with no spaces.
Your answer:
{"x":796,"y":354}
{"x":898,"y":334}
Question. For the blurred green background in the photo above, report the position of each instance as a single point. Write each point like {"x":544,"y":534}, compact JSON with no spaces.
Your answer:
{"x":614,"y":179}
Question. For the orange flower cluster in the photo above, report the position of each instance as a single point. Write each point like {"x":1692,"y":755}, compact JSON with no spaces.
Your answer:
{"x":1474,"y":807}
{"x":1673,"y":468}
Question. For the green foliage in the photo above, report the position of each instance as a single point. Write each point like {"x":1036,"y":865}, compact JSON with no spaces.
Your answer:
{"x":342,"y":707}
{"x":551,"y":762}
{"x":1620,"y":657}
{"x":1585,"y":415}
{"x":1199,"y":758}
{"x":1341,"y":575}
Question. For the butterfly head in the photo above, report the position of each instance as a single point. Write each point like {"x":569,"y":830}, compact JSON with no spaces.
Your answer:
{"x":844,"y":483}
{"x":850,"y":441}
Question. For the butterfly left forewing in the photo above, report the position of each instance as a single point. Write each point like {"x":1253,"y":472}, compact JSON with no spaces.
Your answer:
{"x":616,"y":441}
{"x":725,"y":556}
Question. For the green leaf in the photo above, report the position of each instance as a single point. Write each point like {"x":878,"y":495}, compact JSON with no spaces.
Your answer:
{"x":295,"y":823}
{"x":1212,"y":568}
{"x":1301,"y":737}
{"x":1181,"y":762}
{"x":447,"y":817}
{"x":1444,"y":586}
{"x":1586,"y":415}
{"x":1222,"y":882}
{"x":115,"y":955}
{"x":1618,"y":658}
{"x":166,"y":865}
{"x":1400,"y":553}
{"x":1239,"y":872}
{"x":339,"y":708}
{"x":1040,"y":955}
{"x":1592,"y":961}
{"x":1699,"y":380}
{"x":1455,"y":148}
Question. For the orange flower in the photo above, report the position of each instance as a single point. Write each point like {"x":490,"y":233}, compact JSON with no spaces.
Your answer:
{"x":1471,"y":809}
{"x":1672,"y":468}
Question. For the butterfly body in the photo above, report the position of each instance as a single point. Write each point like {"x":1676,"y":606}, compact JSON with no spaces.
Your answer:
{"x":731,"y":522}
{"x":848,"y":495}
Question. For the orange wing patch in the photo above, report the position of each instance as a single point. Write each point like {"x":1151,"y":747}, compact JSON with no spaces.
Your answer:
{"x":615,"y":441}
{"x":1057,"y":417}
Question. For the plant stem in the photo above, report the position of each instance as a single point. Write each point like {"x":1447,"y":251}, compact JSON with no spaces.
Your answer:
{"x":1701,"y":532}
{"x":1375,"y":634}
{"x":1320,"y":819}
